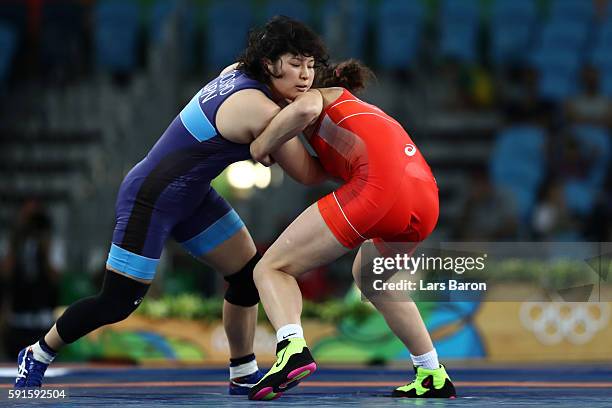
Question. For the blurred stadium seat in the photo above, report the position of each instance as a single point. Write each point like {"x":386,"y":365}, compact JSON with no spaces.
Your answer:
{"x":459,"y":23}
{"x":524,"y":10}
{"x":606,"y":83}
{"x":226,"y":28}
{"x":603,"y":37}
{"x":594,"y":142}
{"x":161,"y":11}
{"x":116,"y":25}
{"x":564,"y":34}
{"x":572,"y":10}
{"x":561,"y":45}
{"x":558,"y":72}
{"x":512,"y":24}
{"x":344,"y":27}
{"x":517,"y":164}
{"x":601,"y":56}
{"x":399,"y":25}
{"x":8,"y":45}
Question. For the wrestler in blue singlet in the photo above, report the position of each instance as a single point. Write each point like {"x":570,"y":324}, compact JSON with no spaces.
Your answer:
{"x":169,"y":191}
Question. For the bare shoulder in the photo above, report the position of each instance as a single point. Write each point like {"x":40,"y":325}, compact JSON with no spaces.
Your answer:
{"x":244,"y":113}
{"x":330,"y":94}
{"x":247,"y":101}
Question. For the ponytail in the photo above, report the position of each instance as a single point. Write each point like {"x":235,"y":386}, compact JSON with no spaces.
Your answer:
{"x":350,"y":74}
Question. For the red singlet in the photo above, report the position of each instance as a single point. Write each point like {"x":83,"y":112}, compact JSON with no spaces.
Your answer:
{"x":390,"y":193}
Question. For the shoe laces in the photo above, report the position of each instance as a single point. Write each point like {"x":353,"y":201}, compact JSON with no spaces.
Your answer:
{"x":22,"y":370}
{"x":36,"y":373}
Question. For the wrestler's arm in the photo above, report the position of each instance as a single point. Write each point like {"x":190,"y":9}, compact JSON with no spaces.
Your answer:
{"x":256,"y":112}
{"x":288,"y":123}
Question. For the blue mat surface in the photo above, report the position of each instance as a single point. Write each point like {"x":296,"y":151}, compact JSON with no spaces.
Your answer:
{"x":563,"y":386}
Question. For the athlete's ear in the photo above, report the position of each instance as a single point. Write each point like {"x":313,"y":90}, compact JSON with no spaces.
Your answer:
{"x":267,"y":65}
{"x":273,"y":68}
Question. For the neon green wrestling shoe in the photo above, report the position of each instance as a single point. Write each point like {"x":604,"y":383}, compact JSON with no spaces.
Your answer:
{"x":427,"y":384}
{"x":293,"y":363}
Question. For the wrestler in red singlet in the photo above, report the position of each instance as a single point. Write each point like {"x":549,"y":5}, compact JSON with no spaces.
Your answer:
{"x":390,"y":193}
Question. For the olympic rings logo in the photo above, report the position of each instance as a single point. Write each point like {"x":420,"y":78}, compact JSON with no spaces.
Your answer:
{"x":552,"y":322}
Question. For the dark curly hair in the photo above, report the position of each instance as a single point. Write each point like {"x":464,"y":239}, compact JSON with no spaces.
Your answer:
{"x":279,"y":36}
{"x":350,"y":74}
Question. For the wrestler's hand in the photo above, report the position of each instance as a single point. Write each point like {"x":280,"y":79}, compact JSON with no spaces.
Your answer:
{"x":267,"y":160}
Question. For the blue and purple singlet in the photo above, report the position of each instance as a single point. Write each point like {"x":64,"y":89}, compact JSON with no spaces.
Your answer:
{"x":169,"y":192}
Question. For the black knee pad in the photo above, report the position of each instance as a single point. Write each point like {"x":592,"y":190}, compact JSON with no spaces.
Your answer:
{"x":242,"y":290}
{"x":119,"y":297}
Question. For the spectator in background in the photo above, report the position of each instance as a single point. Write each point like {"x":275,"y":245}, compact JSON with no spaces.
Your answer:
{"x":520,"y":100}
{"x":452,"y":89}
{"x":568,"y":161}
{"x":552,"y":220}
{"x":487,"y":214}
{"x":28,"y":268}
{"x":590,"y":107}
{"x":519,"y":90}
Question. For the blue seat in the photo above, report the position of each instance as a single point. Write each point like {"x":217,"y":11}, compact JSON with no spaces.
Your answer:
{"x":512,"y":24}
{"x":604,"y":34}
{"x":227,"y":26}
{"x":579,"y":197}
{"x":556,"y":87}
{"x":606,"y":83}
{"x":574,"y":10}
{"x":509,"y":39}
{"x":558,"y":60}
{"x":459,"y":41}
{"x":399,"y":24}
{"x":594,"y":142}
{"x":460,"y":11}
{"x":564,"y":34}
{"x":517,"y":166}
{"x":601,"y":58}
{"x":297,"y":9}
{"x":601,"y":53}
{"x":558,"y":72}
{"x":116,"y":26}
{"x":523,"y":10}
{"x":459,"y":22}
{"x":161,"y":11}
{"x":8,"y":46}
{"x":344,"y":27}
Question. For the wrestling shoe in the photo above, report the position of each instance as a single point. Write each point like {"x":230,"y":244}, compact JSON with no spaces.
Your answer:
{"x":30,"y":372}
{"x":242,"y":385}
{"x":427,"y":384}
{"x":293,"y":363}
